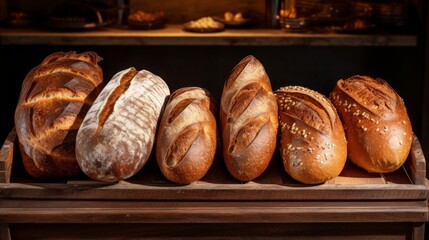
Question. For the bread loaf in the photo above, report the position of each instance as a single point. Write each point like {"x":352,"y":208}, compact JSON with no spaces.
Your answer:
{"x":54,"y":98}
{"x":249,"y":120}
{"x":313,"y":145}
{"x":186,"y":138}
{"x":376,"y":123}
{"x":116,"y":137}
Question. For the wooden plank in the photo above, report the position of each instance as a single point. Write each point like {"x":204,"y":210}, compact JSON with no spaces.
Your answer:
{"x":416,"y":164}
{"x":354,"y":175}
{"x":418,"y":231}
{"x":127,"y":204}
{"x":291,"y":231}
{"x":213,"y":192}
{"x":4,"y":231}
{"x":173,"y":34}
{"x":215,"y":212}
{"x":6,"y":157}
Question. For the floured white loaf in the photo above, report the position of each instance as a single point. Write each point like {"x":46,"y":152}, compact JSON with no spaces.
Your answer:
{"x":249,"y":120}
{"x":54,"y":99}
{"x":116,"y":137}
{"x":186,"y":139}
{"x":376,"y":122}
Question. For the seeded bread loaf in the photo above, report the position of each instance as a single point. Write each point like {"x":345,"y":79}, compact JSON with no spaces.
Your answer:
{"x":116,"y":137}
{"x":376,"y":123}
{"x":54,"y":99}
{"x":313,"y":146}
{"x":186,"y":138}
{"x":249,"y":120}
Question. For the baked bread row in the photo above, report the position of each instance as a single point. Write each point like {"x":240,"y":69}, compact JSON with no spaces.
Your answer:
{"x":67,"y":121}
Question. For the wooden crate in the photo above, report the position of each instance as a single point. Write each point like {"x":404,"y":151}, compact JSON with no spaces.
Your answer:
{"x":354,"y":205}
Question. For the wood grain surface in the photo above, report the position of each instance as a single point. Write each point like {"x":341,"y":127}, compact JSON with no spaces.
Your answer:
{"x":354,"y":205}
{"x":173,"y":34}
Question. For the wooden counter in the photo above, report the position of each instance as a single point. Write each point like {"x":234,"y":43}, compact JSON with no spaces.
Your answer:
{"x":174,"y":35}
{"x":355,"y":205}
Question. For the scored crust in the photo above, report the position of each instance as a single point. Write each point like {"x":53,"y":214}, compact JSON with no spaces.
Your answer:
{"x":55,"y":97}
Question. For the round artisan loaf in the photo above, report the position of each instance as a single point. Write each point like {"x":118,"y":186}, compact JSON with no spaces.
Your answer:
{"x":249,"y":120}
{"x":376,"y":122}
{"x":186,"y":138}
{"x":313,"y":144}
{"x":54,"y":99}
{"x":116,"y":137}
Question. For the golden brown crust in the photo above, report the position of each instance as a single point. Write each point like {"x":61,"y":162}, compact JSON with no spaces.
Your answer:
{"x":54,"y":98}
{"x":186,"y":138}
{"x":249,"y":120}
{"x":376,"y":122}
{"x":312,"y":140}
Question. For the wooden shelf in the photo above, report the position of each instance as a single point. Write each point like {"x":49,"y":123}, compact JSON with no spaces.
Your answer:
{"x":174,"y":35}
{"x":354,"y":205}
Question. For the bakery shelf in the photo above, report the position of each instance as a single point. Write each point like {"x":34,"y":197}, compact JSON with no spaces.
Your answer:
{"x":355,"y":203}
{"x":174,"y":35}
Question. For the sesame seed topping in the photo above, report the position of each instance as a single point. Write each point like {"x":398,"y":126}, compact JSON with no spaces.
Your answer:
{"x":297,"y":163}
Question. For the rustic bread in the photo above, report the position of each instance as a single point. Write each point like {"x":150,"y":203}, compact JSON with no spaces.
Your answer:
{"x":186,"y":138}
{"x":313,"y":144}
{"x":116,"y":137}
{"x":54,"y":98}
{"x":249,"y":120}
{"x":376,"y":122}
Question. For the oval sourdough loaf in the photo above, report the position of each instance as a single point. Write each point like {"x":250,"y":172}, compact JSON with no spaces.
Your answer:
{"x":313,"y":144}
{"x":376,"y":122}
{"x":249,"y":120}
{"x":54,"y":98}
{"x":116,"y":137}
{"x":186,"y":139}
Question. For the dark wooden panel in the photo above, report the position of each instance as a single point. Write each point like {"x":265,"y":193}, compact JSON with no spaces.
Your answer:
{"x":4,"y":231}
{"x":212,"y":212}
{"x":361,"y":231}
